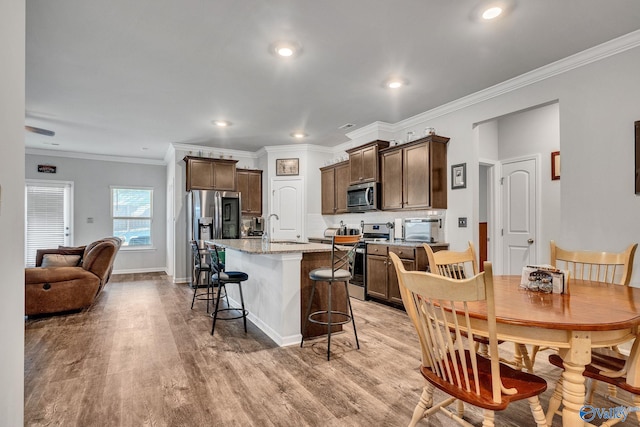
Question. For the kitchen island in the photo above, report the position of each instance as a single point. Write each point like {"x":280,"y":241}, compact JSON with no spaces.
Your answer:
{"x":277,"y":291}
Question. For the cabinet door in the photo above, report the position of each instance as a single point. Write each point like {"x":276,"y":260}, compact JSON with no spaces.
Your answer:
{"x":393,"y":286}
{"x":243,"y":189}
{"x":327,"y":184}
{"x":370,"y":164}
{"x":416,"y":176}
{"x":224,"y":176}
{"x":438,"y":169}
{"x":341,"y":183}
{"x":392,"y":180}
{"x":255,"y":193}
{"x":200,"y":175}
{"x":355,"y":164}
{"x":377,"y":276}
{"x":250,"y":188}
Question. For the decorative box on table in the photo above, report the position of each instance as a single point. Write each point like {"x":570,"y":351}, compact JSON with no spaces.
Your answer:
{"x":545,"y":278}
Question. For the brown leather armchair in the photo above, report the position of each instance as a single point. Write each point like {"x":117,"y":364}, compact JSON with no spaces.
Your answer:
{"x":66,"y":288}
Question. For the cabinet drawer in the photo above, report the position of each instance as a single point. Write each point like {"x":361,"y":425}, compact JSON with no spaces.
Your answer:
{"x":377,"y":250}
{"x":403,"y":252}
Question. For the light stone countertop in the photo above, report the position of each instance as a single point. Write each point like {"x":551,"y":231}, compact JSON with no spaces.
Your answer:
{"x":254,"y":246}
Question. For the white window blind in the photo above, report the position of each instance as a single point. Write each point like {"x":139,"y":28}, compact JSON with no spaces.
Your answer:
{"x":132,"y":214}
{"x":47,"y":222}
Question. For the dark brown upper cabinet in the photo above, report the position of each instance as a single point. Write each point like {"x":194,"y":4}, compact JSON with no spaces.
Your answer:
{"x":364,"y":163}
{"x":414,"y":175}
{"x":210,"y":174}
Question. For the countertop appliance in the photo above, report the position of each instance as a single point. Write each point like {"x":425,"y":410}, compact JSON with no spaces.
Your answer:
{"x":423,"y":229}
{"x":363,"y":197}
{"x":257,"y":226}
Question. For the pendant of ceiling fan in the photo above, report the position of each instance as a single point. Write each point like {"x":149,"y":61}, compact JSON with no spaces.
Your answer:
{"x":40,"y":131}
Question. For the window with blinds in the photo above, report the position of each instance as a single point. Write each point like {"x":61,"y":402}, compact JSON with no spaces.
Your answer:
{"x":48,"y":210}
{"x":131,"y":212}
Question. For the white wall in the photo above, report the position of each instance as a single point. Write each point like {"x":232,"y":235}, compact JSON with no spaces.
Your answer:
{"x":92,"y":197}
{"x":12,"y":104}
{"x":532,"y":132}
{"x":598,"y":104}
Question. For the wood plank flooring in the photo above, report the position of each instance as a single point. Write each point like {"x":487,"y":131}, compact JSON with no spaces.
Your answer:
{"x":141,"y":357}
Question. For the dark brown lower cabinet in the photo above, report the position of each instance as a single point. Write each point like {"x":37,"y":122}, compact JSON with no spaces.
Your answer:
{"x":382,"y":280}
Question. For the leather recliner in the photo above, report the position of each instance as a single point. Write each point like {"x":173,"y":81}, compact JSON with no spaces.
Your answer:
{"x":68,"y":288}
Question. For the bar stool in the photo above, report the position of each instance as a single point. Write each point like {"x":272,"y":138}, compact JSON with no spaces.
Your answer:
{"x":342,"y":256}
{"x":200,"y":267}
{"x":221,"y":279}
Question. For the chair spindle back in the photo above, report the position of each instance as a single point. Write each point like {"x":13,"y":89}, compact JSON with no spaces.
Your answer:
{"x":446,"y":340}
{"x":608,"y":267}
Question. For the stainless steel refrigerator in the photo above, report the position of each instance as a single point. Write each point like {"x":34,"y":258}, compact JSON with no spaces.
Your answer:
{"x":213,"y":215}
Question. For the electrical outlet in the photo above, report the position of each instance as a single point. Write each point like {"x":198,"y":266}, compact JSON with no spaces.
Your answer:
{"x":462,"y":221}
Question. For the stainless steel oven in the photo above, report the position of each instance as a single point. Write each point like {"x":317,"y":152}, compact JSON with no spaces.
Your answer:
{"x":357,"y":287}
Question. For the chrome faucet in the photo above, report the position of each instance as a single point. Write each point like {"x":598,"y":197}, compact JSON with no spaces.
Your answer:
{"x":269,"y":231}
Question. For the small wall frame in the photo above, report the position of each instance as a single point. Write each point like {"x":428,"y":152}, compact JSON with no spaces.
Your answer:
{"x":637,"y":126}
{"x":287,"y":166}
{"x":458,"y":176}
{"x":555,"y":165}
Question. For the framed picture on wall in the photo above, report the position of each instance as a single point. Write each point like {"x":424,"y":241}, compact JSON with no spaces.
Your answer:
{"x":555,"y":165}
{"x":287,"y":166}
{"x":637,"y":125}
{"x":458,"y":176}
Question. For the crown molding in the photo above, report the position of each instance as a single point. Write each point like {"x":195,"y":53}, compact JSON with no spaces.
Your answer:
{"x":580,"y":59}
{"x":297,"y":147}
{"x":211,"y":150}
{"x":372,"y":127}
{"x":87,"y":156}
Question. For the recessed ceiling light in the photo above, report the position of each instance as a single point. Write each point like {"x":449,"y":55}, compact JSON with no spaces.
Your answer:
{"x":298,"y":135}
{"x":492,"y":12}
{"x":285,"y":49}
{"x":395,"y":83}
{"x":221,"y":123}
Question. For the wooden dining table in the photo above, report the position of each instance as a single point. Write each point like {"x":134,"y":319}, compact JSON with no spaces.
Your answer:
{"x":594,"y":314}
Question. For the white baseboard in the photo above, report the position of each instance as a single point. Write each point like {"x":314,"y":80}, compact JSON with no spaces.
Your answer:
{"x":141,"y":270}
{"x":182,"y":280}
{"x":282,"y":341}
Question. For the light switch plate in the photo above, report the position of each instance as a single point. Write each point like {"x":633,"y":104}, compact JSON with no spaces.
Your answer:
{"x":462,"y":221}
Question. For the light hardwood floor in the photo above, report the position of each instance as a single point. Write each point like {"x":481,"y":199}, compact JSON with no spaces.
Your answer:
{"x":141,"y":357}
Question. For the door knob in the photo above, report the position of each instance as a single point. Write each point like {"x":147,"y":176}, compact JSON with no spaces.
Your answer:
{"x":530,"y":241}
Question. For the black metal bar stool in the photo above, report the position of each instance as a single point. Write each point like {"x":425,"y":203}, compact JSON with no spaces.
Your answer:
{"x":342,"y":255}
{"x":201,"y":264}
{"x":221,"y":278}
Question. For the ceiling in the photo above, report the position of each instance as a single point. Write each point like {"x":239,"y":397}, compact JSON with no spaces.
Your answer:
{"x":127,"y":78}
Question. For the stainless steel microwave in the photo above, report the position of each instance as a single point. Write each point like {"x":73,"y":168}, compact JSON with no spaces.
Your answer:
{"x":363,"y":197}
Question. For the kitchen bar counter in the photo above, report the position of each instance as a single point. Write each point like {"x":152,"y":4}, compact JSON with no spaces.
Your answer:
{"x":254,"y":246}
{"x":278,"y":289}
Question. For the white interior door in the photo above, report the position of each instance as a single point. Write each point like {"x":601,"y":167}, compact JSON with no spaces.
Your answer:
{"x":520,"y":220}
{"x":287,"y":203}
{"x":49,"y":207}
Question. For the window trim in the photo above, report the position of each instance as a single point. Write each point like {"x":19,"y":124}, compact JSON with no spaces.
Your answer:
{"x":150,"y":217}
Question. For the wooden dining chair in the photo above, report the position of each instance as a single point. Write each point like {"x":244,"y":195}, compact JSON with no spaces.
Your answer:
{"x":450,"y":363}
{"x":606,"y":267}
{"x":459,"y":265}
